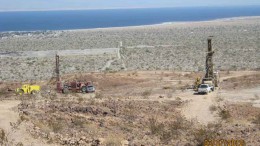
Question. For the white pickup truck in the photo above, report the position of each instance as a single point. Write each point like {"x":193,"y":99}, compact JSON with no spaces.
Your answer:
{"x":204,"y":89}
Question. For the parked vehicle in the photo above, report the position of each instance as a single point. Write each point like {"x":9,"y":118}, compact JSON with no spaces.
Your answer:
{"x":84,"y":87}
{"x":28,"y":89}
{"x":204,"y":89}
{"x":90,"y":89}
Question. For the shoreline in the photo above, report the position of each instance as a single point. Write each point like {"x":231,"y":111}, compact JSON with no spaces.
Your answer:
{"x":229,"y":19}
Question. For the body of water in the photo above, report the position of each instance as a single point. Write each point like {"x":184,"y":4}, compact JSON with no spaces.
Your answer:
{"x":87,"y":19}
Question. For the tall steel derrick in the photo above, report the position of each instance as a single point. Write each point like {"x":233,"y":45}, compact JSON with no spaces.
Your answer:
{"x":209,"y":61}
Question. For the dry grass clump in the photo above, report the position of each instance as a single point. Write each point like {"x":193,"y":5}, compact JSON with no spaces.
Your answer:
{"x":113,"y":141}
{"x":100,"y":119}
{"x":213,"y":108}
{"x":207,"y":132}
{"x":147,"y":93}
{"x":167,"y":87}
{"x":167,"y":131}
{"x":99,"y":95}
{"x":224,"y":114}
{"x":3,"y":138}
{"x":244,"y":82}
{"x":243,"y":111}
{"x":257,"y":120}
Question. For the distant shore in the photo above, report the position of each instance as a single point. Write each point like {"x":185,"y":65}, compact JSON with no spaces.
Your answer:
{"x":222,"y":20}
{"x":231,"y":19}
{"x":114,"y":18}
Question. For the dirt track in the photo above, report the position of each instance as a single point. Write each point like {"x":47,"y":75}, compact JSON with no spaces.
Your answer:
{"x":130,"y":87}
{"x":18,"y":132}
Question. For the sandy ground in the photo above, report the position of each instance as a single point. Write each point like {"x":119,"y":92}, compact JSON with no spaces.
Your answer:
{"x":9,"y":116}
{"x":199,"y":106}
{"x":196,"y":107}
{"x":52,"y":53}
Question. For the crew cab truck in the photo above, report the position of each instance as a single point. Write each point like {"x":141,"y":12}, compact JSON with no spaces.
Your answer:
{"x":75,"y":86}
{"x":28,"y":89}
{"x":204,"y":89}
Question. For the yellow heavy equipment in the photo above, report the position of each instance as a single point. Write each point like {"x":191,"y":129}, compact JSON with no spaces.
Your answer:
{"x":197,"y":83}
{"x":28,"y":89}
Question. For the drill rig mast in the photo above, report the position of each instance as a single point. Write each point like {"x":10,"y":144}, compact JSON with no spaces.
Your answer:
{"x":210,"y":77}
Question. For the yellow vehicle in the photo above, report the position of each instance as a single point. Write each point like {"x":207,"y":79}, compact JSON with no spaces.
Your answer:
{"x":197,"y":83}
{"x":28,"y":89}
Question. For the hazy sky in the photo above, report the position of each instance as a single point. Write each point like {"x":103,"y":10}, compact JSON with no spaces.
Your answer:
{"x":10,"y":5}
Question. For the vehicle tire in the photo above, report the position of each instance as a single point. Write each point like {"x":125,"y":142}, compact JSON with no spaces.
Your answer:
{"x":84,"y":89}
{"x":33,"y":92}
{"x":20,"y":92}
{"x":65,"y":91}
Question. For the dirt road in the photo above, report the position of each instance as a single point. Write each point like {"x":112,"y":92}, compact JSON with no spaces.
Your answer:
{"x":9,"y":116}
{"x":199,"y":105}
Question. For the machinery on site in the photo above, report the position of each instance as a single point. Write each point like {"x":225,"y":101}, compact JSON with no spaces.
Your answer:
{"x":75,"y":86}
{"x":84,"y":87}
{"x":28,"y":89}
{"x":211,"y":78}
{"x":204,"y":89}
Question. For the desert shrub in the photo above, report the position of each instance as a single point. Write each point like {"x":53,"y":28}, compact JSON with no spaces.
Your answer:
{"x":208,"y":132}
{"x":180,"y":124}
{"x":257,"y":120}
{"x":155,"y":127}
{"x":224,"y":114}
{"x":3,"y":138}
{"x":178,"y":99}
{"x":135,"y":73}
{"x":203,"y":133}
{"x":213,"y":108}
{"x":168,"y":131}
{"x":169,"y":95}
{"x":113,"y":141}
{"x":56,"y":126}
{"x":80,"y":99}
{"x":219,"y":99}
{"x":79,"y":122}
{"x":19,"y":144}
{"x":166,"y":87}
{"x":99,"y":96}
{"x":24,"y":118}
{"x":199,"y":136}
{"x":146,"y":93}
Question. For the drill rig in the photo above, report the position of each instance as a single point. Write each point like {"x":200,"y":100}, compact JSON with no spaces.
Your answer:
{"x":74,"y":86}
{"x":211,"y":77}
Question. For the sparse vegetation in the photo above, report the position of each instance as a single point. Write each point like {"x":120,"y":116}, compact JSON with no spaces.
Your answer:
{"x":126,"y":105}
{"x":99,"y":95}
{"x":224,"y":114}
{"x":207,"y":132}
{"x":146,"y":93}
{"x":169,"y":131}
{"x":257,"y":120}
{"x":213,"y":108}
{"x":3,"y":138}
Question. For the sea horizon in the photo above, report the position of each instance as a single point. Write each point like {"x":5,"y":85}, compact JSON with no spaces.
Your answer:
{"x":22,"y":21}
